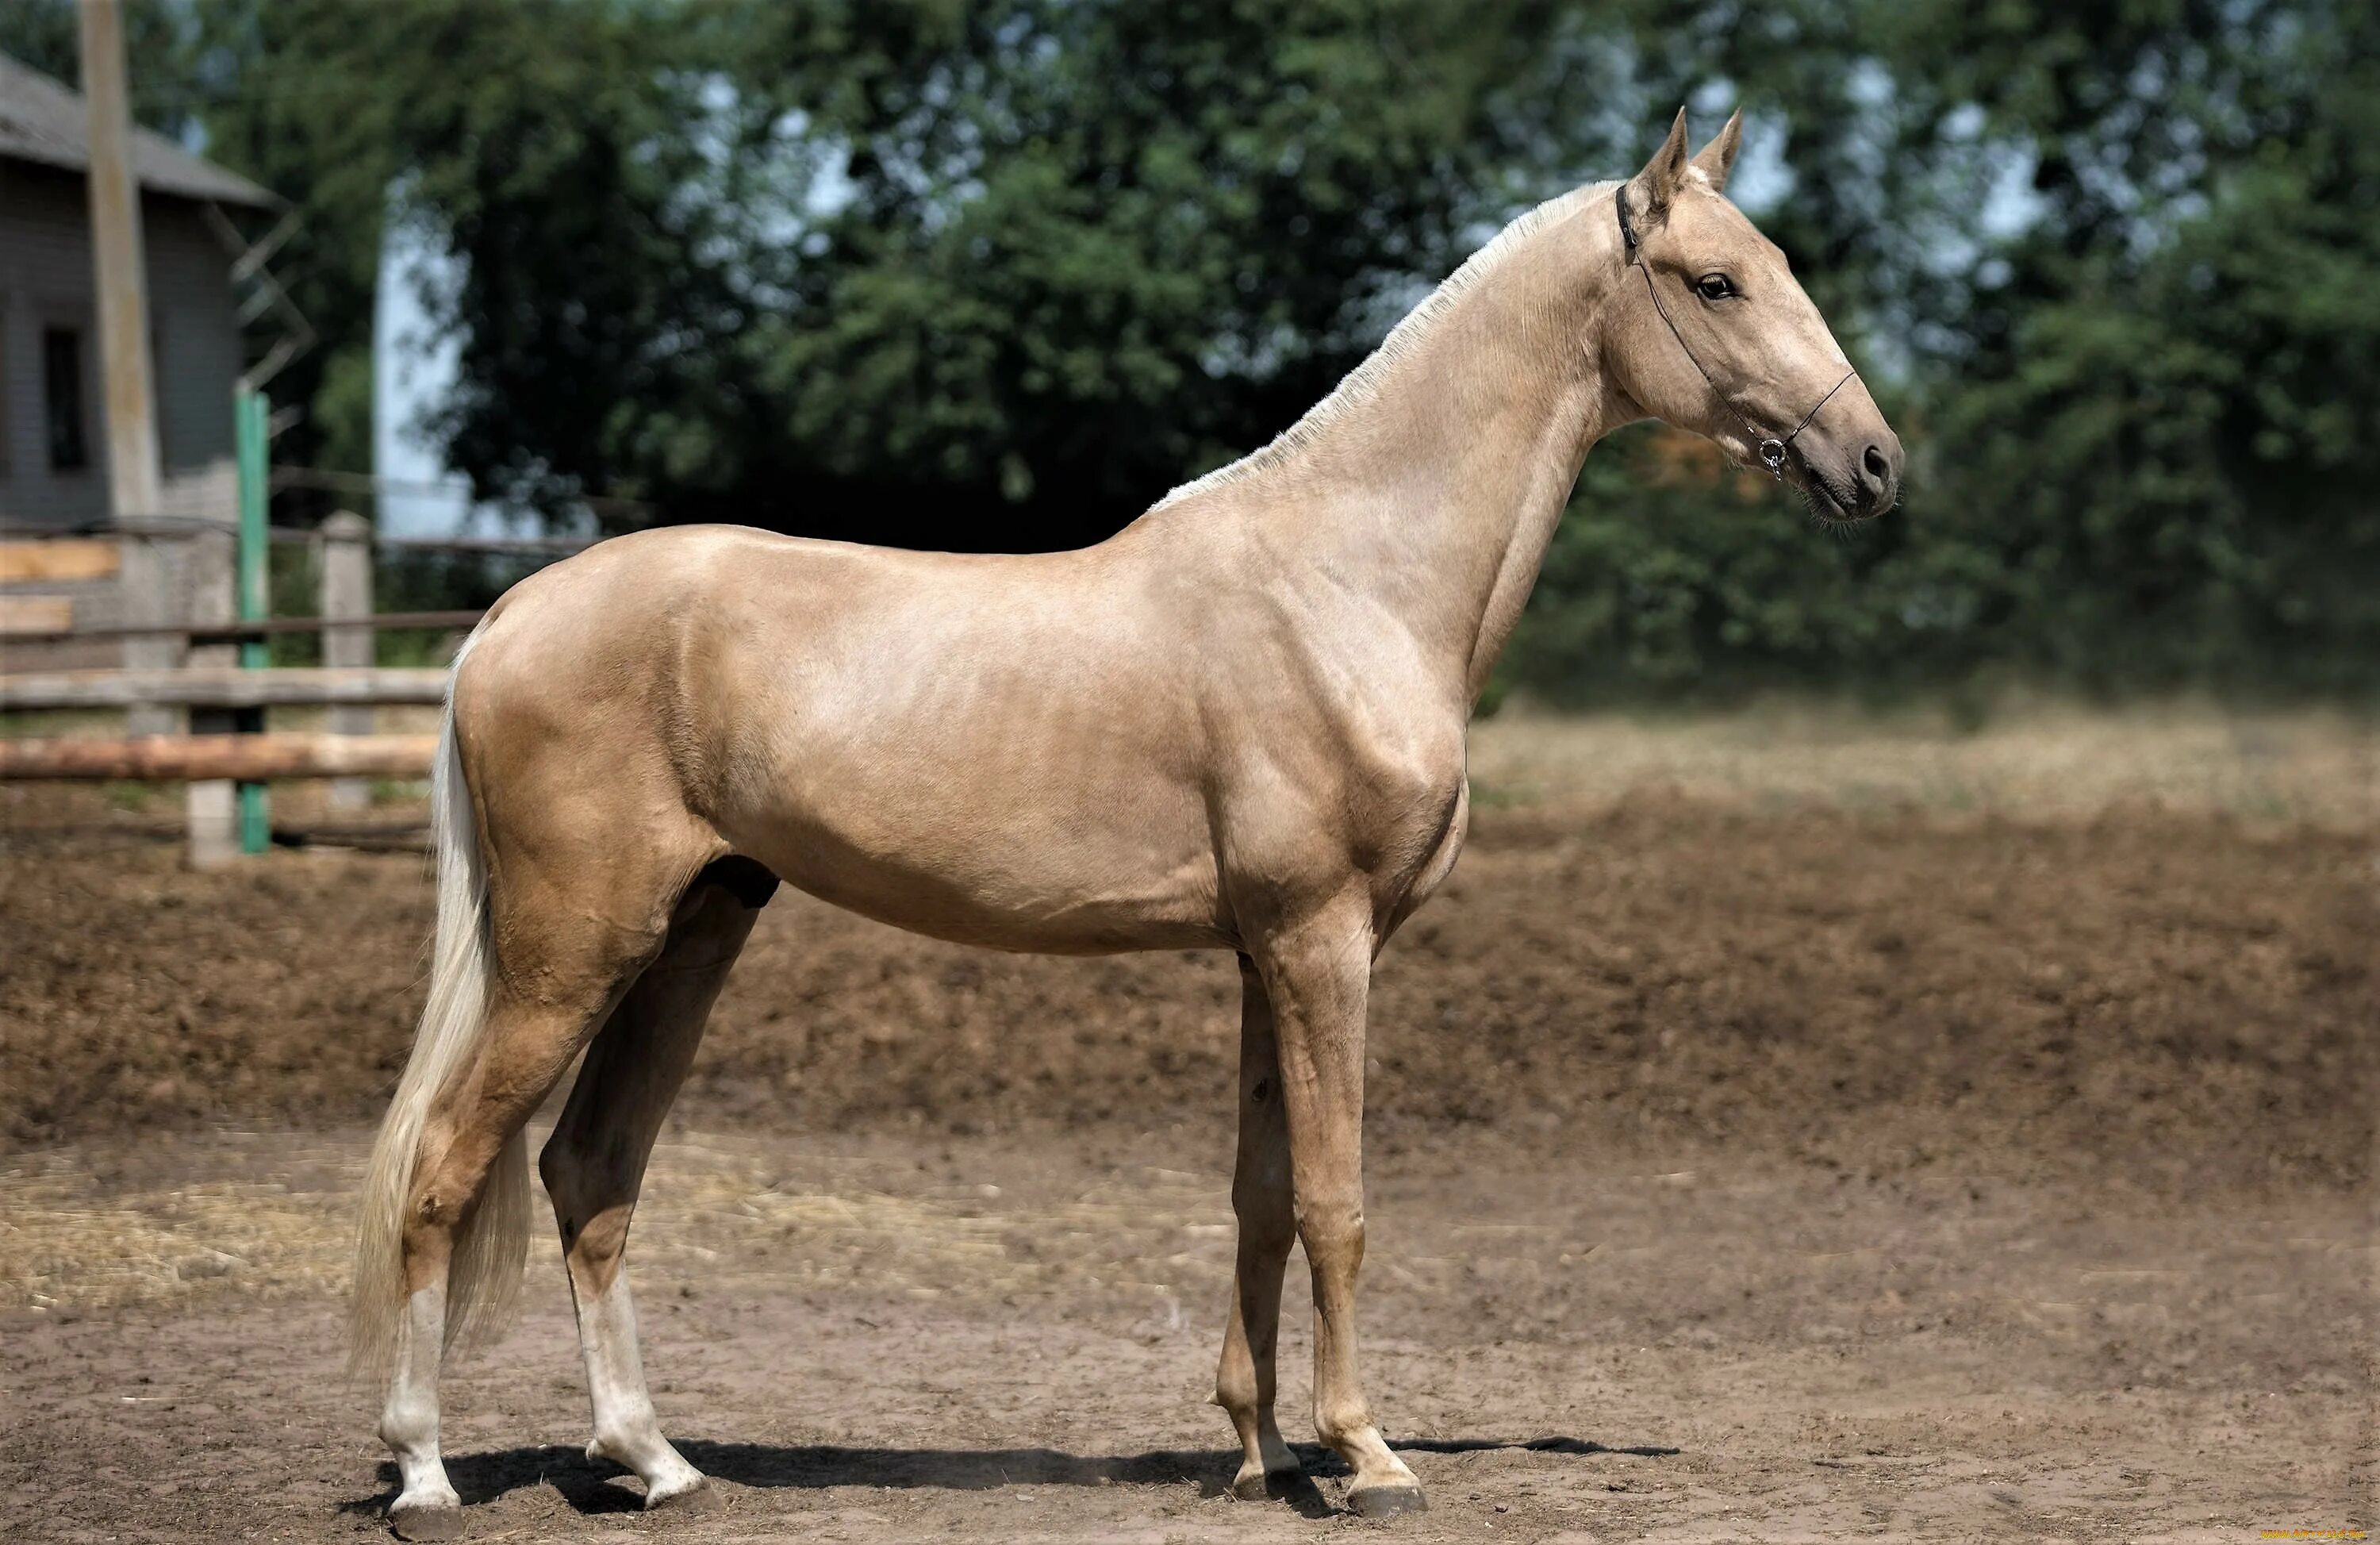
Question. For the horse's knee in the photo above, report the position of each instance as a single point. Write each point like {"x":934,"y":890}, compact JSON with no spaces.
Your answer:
{"x":1332,"y":1233}
{"x":1236,"y":1389}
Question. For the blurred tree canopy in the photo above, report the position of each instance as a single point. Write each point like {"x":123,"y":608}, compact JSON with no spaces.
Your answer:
{"x":996,"y":276}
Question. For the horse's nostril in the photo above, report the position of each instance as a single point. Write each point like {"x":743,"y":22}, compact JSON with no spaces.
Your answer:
{"x":1878,"y":468}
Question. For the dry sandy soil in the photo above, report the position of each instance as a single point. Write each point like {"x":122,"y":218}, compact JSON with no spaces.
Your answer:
{"x":1985,"y":1152}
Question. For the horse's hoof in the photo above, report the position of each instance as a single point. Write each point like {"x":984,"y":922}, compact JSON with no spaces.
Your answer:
{"x":1387,"y":1502}
{"x":1267,"y":1485}
{"x":700,"y":1497}
{"x":435,"y":1521}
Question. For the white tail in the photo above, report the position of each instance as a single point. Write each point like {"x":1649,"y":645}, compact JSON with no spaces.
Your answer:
{"x":484,"y":1278}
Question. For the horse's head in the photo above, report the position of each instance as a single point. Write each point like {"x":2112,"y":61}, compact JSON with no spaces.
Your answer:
{"x":1711,"y":333}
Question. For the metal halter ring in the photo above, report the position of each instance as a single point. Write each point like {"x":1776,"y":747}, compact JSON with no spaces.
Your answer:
{"x":1772,"y":456}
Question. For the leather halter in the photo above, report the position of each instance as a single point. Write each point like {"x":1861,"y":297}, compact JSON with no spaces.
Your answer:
{"x":1771,"y":451}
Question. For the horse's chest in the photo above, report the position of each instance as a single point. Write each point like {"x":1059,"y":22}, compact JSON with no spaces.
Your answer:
{"x":1407,"y":811}
{"x":1379,"y":804}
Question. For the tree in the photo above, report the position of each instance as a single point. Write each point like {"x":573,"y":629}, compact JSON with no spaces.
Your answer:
{"x":2143,"y":419}
{"x":940,"y":274}
{"x":995,"y":277}
{"x":47,"y":35}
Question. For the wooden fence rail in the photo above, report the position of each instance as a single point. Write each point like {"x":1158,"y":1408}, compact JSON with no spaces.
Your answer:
{"x":224,"y":571}
{"x":224,"y":687}
{"x":234,"y":632}
{"x":202,"y":757}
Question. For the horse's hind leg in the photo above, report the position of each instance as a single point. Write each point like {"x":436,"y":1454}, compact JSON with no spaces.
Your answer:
{"x":516,"y":993}
{"x":1261,"y":1198}
{"x":595,"y":1161}
{"x":527,"y":1044}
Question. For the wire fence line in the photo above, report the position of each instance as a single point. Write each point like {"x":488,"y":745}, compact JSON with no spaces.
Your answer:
{"x":239,"y":632}
{"x":170,"y":526}
{"x":158,"y":524}
{"x":330,"y":480}
{"x":195,"y":628}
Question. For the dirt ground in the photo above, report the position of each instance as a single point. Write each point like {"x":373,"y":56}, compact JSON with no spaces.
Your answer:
{"x":1939,"y":1166}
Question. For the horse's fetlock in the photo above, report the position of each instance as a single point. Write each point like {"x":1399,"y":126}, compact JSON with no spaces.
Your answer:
{"x":1339,"y":1422}
{"x":624,"y":1434}
{"x":408,"y":1426}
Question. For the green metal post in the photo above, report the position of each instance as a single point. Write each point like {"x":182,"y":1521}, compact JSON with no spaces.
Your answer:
{"x":255,"y":598}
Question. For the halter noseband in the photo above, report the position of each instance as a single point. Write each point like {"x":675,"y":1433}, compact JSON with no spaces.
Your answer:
{"x":1770,"y":451}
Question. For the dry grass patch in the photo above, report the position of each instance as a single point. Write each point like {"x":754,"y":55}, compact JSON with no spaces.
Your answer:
{"x":271,"y":1218}
{"x":2314,"y":768}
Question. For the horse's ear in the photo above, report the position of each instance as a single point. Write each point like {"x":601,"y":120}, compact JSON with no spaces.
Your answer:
{"x":1716,"y":159}
{"x":1651,"y":190}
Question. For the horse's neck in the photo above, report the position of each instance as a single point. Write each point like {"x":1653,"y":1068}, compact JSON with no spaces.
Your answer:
{"x":1437,"y":493}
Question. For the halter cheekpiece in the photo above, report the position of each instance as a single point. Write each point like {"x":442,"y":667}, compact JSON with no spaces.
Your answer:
{"x":1771,"y":450}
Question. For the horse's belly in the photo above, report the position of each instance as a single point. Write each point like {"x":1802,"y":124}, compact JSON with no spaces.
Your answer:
{"x":1061,"y":877}
{"x":1011,"y":766}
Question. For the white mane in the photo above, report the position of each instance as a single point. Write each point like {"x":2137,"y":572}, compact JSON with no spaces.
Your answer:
{"x":1360,"y":384}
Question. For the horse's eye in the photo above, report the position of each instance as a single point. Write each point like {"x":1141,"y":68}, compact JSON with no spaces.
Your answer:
{"x":1714,"y":286}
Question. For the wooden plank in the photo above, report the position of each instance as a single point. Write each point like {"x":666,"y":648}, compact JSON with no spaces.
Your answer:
{"x":217,"y":633}
{"x":35,"y":614}
{"x":57,"y":560}
{"x":246,"y":757}
{"x":346,"y":592}
{"x":221,"y":687}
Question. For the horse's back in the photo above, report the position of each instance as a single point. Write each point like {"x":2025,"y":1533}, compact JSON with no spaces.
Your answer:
{"x":1004,"y":749}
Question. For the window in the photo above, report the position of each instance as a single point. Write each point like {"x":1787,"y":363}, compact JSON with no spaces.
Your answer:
{"x":61,"y":398}
{"x":157,"y":397}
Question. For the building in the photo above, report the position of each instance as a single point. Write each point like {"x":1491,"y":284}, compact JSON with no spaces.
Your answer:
{"x":52,"y":449}
{"x":53,"y":473}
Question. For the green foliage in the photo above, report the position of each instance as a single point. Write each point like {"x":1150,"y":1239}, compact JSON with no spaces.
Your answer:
{"x":2144,"y":425}
{"x":47,"y":35}
{"x":1079,"y":251}
{"x":995,"y":277}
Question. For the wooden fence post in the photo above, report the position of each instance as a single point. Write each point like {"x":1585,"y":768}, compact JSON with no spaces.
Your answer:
{"x":145,"y":582}
{"x":120,"y":293}
{"x":210,"y":807}
{"x":347,"y":592}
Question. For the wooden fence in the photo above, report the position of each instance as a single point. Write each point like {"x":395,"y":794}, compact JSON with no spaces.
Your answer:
{"x":220,"y":687}
{"x":230,"y":758}
{"x":228,"y":746}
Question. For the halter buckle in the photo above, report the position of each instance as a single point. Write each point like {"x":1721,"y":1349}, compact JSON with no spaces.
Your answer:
{"x":1772,"y":456}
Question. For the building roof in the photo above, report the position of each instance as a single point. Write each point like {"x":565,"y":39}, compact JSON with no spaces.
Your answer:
{"x":44,"y":121}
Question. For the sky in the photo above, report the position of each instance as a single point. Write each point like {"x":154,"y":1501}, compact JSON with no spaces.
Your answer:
{"x":413,"y":370}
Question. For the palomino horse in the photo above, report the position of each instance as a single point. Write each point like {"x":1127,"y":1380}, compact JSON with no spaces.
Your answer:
{"x":1238,"y":724}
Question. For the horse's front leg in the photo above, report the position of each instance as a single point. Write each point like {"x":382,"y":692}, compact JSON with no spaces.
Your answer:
{"x":1267,"y":1218}
{"x":1318,"y":975}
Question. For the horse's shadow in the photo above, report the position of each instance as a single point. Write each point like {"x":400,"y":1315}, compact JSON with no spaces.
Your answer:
{"x":594,"y":1487}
